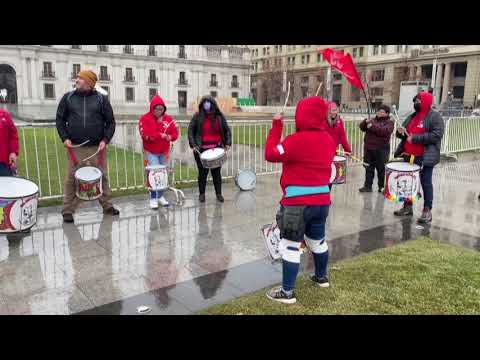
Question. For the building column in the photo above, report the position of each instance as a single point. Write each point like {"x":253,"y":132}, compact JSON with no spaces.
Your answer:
{"x":446,"y":83}
{"x":418,"y":75}
{"x":36,"y":83}
{"x":411,"y":75}
{"x":438,"y":83}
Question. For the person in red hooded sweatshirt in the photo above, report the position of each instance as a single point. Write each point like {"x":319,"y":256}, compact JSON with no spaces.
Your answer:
{"x":336,"y":129}
{"x":306,"y":156}
{"x":157,"y":130}
{"x":9,"y":147}
{"x":421,"y":135}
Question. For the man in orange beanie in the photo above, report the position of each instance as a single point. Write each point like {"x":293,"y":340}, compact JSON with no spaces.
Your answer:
{"x":85,"y":118}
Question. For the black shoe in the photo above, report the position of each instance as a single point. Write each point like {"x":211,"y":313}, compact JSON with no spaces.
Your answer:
{"x":277,"y":294}
{"x":220,"y":198}
{"x":406,"y":210}
{"x":320,"y":281}
{"x":365,"y":189}
{"x":111,"y":211}
{"x":68,"y":218}
{"x":381,"y":189}
{"x":201,"y":198}
{"x":426,"y":216}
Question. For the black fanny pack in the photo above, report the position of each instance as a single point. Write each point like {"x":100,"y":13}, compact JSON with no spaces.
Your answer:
{"x":291,"y":222}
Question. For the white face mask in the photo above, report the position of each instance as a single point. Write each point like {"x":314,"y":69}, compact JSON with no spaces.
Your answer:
{"x":207,"y":106}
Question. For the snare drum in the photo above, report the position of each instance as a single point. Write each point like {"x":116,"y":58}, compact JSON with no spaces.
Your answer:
{"x":213,"y":158}
{"x":402,"y":181}
{"x":18,"y":204}
{"x":88,"y":180}
{"x":157,"y":177}
{"x":339,"y":170}
{"x":271,"y":237}
{"x":246,"y":179}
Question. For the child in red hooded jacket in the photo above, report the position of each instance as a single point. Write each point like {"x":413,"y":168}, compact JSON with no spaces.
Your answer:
{"x":9,"y":147}
{"x":157,"y":130}
{"x":306,"y":157}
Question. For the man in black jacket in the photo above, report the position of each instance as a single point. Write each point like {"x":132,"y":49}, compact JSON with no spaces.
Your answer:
{"x":84,"y":116}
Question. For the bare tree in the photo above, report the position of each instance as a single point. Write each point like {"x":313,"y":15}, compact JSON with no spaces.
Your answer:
{"x":271,"y":80}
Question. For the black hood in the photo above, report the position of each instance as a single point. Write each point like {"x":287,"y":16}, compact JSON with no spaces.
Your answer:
{"x":212,"y":101}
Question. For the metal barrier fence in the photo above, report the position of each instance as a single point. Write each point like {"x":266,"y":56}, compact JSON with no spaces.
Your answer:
{"x":43,"y":159}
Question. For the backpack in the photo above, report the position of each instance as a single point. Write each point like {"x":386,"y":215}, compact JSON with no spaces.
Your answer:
{"x":97,"y":94}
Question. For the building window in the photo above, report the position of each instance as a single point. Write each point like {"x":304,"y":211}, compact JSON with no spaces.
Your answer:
{"x":425,"y":46}
{"x":354,"y":94}
{"x":130,"y":94}
{"x":460,"y":70}
{"x":276,"y":49}
{"x":234,"y":81}
{"x":377,"y":91}
{"x":213,"y":80}
{"x":107,"y":90}
{"x":399,"y":48}
{"x":128,"y":49}
{"x":304,"y":80}
{"x":280,"y":48}
{"x":213,"y":94}
{"x":337,"y":76}
{"x":151,"y":50}
{"x":152,"y":77}
{"x":458,"y":92}
{"x":129,"y":75}
{"x":76,"y":47}
{"x":384,"y":49}
{"x":264,"y":51}
{"x":308,"y":58}
{"x":182,"y":80}
{"x":319,"y":57}
{"x":375,"y":49}
{"x":104,"y":74}
{"x":293,"y":60}
{"x":256,"y":52}
{"x":47,"y":70}
{"x":406,"y":48}
{"x":378,"y":75}
{"x":151,"y":93}
{"x":49,"y":91}
{"x":361,"y":51}
{"x":181,"y":52}
{"x":235,"y":95}
{"x":303,"y":59}
{"x":354,"y":52}
{"x":268,"y":50}
{"x":102,"y":48}
{"x":75,"y":70}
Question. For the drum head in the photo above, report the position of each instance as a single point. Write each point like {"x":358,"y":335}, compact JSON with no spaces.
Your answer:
{"x":402,"y":166}
{"x":212,"y":154}
{"x":88,"y":173}
{"x":246,"y":180}
{"x":339,"y":158}
{"x":155,"y":167}
{"x":15,"y":187}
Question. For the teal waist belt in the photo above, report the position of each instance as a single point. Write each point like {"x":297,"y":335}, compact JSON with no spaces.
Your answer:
{"x":292,"y":191}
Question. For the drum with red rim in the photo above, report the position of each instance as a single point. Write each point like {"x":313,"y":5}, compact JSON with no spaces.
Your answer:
{"x":339,"y":170}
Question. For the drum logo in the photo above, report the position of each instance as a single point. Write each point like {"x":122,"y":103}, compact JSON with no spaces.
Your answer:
{"x":89,"y":190}
{"x":403,"y":186}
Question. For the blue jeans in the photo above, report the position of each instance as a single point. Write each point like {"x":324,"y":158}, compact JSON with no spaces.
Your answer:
{"x":315,"y":218}
{"x":153,"y":159}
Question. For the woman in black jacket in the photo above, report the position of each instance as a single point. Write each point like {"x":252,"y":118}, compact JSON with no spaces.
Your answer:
{"x":208,"y":129}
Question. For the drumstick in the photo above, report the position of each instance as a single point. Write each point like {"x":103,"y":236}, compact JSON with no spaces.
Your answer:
{"x":318,"y":90}
{"x":286,"y":99}
{"x":91,"y":156}
{"x":351,"y":155}
{"x":77,"y":146}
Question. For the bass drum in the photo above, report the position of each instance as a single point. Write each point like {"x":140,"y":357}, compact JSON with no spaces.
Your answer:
{"x":246,"y":180}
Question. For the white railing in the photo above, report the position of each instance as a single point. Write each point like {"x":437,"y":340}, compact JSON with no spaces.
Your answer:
{"x":43,"y":158}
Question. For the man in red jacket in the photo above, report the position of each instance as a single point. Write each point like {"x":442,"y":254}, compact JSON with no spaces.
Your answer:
{"x":307,"y":157}
{"x":157,"y":130}
{"x":378,"y":132}
{"x":9,"y":147}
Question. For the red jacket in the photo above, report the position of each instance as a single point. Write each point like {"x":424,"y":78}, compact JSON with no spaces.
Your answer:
{"x":338,"y":134}
{"x":8,"y":137}
{"x":151,"y":129}
{"x":307,"y":155}
{"x":415,"y":126}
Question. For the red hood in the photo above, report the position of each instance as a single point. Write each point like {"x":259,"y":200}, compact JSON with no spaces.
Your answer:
{"x":311,"y":114}
{"x":157,"y":100}
{"x":426,"y":102}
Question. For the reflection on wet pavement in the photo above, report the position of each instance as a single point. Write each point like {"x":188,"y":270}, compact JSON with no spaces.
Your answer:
{"x":184,"y":258}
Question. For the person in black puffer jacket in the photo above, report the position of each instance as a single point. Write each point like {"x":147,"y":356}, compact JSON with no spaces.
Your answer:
{"x":421,"y":135}
{"x":84,"y":116}
{"x":208,"y":129}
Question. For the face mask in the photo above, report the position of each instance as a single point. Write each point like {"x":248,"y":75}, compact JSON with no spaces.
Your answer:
{"x":207,"y":106}
{"x":417,"y":106}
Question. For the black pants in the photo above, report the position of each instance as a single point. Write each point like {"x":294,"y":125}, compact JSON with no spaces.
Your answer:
{"x":203,"y":174}
{"x":5,"y":170}
{"x":375,"y":159}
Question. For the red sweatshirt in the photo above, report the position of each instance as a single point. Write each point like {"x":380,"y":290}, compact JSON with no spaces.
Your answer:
{"x":8,"y":137}
{"x":307,"y":155}
{"x":211,"y":135}
{"x":151,"y":129}
{"x":338,"y":134}
{"x":415,"y":126}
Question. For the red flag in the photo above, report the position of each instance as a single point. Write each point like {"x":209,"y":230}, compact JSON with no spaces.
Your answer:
{"x":343,"y":64}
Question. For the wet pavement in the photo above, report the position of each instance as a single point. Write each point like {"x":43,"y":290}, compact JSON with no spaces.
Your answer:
{"x":185,"y":258}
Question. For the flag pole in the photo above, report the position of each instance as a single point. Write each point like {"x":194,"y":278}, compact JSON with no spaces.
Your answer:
{"x":367,"y":98}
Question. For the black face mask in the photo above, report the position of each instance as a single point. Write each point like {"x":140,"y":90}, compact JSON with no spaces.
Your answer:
{"x":417,"y":106}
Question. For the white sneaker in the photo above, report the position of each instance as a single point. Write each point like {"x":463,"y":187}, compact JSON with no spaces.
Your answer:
{"x":153,"y":204}
{"x":163,"y":201}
